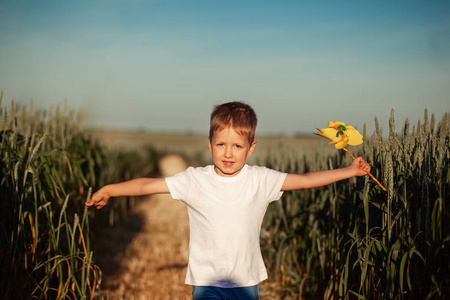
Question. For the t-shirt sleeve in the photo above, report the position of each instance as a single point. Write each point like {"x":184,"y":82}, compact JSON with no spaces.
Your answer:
{"x":273,"y":182}
{"x":179,"y":184}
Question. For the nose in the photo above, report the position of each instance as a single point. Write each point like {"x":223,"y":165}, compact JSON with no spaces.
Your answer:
{"x":228,"y":152}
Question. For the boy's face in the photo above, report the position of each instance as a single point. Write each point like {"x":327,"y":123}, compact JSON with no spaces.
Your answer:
{"x":229,"y":151}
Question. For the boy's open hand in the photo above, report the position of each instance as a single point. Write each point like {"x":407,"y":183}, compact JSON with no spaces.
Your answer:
{"x":99,"y":199}
{"x":360,"y":166}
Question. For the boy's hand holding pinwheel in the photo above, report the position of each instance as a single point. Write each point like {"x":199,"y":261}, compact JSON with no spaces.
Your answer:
{"x":341,"y":135}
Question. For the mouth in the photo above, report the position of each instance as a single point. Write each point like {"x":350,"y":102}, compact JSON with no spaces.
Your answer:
{"x":228,"y":164}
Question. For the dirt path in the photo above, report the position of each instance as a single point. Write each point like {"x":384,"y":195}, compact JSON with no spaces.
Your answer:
{"x":146,"y":257}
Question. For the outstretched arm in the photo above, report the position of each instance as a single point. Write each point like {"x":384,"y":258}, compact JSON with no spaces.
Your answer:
{"x":359,"y":167}
{"x":135,"y":187}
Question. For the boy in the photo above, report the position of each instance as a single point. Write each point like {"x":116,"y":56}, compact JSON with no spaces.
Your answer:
{"x":226,"y":204}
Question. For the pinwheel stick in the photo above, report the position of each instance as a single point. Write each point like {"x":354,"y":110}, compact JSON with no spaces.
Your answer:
{"x":368,"y":173}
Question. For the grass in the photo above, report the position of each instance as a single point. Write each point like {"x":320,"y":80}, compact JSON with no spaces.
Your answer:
{"x":351,"y":239}
{"x":46,"y":174}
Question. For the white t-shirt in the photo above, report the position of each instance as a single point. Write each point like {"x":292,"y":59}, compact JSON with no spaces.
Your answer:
{"x":225,"y":217}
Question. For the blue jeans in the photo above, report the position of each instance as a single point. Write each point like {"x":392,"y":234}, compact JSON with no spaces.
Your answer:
{"x":217,"y":293}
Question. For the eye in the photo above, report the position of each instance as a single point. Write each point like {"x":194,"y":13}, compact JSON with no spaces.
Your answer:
{"x":238,"y":146}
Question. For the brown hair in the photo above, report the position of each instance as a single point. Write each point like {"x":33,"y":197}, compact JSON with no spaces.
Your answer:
{"x":238,"y":115}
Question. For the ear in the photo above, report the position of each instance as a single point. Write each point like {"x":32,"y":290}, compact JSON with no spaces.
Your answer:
{"x":252,"y":148}
{"x":209,"y":144}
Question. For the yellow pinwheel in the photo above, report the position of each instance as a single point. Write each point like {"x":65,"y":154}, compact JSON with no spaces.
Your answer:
{"x":341,"y":134}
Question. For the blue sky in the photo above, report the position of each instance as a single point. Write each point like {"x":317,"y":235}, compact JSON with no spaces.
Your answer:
{"x":162,"y":65}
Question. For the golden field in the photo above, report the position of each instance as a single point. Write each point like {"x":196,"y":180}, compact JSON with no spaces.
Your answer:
{"x":196,"y":145}
{"x":345,"y":240}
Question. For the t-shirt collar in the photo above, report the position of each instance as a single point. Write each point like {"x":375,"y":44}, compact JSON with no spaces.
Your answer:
{"x":235,"y":178}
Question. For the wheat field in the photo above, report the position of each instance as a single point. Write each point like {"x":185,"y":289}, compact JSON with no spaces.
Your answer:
{"x":346,"y":240}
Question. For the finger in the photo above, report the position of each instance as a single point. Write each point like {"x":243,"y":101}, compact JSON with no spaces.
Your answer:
{"x":363,"y":165}
{"x":93,"y":201}
{"x":366,"y":167}
{"x":88,"y":204}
